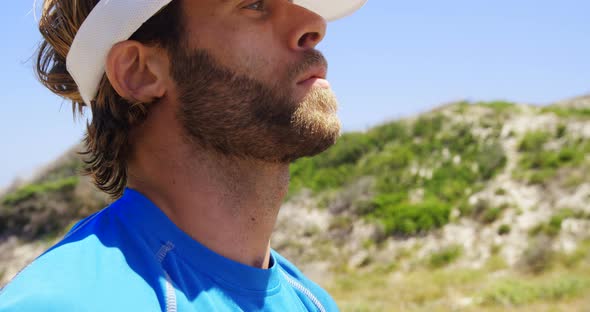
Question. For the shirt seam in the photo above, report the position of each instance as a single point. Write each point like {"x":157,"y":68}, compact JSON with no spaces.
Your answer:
{"x":304,"y":290}
{"x":170,"y":300}
{"x":238,"y":290}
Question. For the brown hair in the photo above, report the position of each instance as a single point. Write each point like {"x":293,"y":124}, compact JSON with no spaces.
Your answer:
{"x":107,"y":143}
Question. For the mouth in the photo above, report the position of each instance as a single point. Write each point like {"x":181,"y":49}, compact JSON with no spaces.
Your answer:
{"x":315,"y":76}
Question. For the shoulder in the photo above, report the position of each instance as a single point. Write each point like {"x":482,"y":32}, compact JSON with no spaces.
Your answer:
{"x":88,"y":268}
{"x":295,"y":276}
{"x":16,"y":299}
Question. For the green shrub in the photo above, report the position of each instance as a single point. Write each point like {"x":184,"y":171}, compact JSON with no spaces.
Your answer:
{"x":391,"y":158}
{"x":31,"y":190}
{"x":498,"y":106}
{"x":387,"y":153}
{"x":538,"y":165}
{"x":391,"y":132}
{"x":428,"y":127}
{"x":561,"y":131}
{"x":500,"y":191}
{"x":484,"y":213}
{"x":491,"y":215}
{"x":402,"y":218}
{"x":305,"y":173}
{"x":445,"y":256}
{"x":347,"y":150}
{"x":571,"y":155}
{"x":449,"y":182}
{"x":568,"y":112}
{"x":541,"y":176}
{"x":460,"y":140}
{"x":568,"y":155}
{"x":534,"y":141}
{"x":553,"y":226}
{"x":465,"y":208}
{"x":71,"y":167}
{"x":504,"y":229}
{"x":541,"y":160}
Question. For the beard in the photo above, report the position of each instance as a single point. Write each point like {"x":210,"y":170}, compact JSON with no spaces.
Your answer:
{"x":239,"y":116}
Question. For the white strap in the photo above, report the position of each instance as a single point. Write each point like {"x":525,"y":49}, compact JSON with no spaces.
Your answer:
{"x":110,"y":21}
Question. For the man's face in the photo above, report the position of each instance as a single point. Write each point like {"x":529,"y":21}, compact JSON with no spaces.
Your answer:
{"x":243,"y":80}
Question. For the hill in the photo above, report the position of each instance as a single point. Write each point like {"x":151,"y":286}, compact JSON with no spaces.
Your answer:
{"x":471,"y":205}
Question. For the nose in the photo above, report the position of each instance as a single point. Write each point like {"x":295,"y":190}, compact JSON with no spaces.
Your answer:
{"x":309,"y":28}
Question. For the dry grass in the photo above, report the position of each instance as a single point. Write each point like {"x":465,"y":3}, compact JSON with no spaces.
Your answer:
{"x":463,"y":290}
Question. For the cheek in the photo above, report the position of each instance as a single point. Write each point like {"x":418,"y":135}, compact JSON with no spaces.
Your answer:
{"x":252,"y":50}
{"x":257,"y":59}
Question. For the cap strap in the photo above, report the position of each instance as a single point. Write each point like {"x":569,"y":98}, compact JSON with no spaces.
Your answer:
{"x":109,"y":22}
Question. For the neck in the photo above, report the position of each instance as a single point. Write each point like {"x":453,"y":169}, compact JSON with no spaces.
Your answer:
{"x":228,"y":205}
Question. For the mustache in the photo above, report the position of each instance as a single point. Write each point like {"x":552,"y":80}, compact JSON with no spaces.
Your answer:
{"x":311,"y":58}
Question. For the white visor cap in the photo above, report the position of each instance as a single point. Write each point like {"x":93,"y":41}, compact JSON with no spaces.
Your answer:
{"x":113,"y":21}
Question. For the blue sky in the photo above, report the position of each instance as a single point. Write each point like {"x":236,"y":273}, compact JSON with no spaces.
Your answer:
{"x":390,"y":59}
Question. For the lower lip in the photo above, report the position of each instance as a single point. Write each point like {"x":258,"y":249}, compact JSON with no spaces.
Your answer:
{"x":319,"y":82}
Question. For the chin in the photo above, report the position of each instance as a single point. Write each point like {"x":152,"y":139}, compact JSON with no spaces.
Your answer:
{"x":313,"y":133}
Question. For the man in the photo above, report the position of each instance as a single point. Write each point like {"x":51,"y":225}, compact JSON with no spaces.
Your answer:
{"x":198,"y":107}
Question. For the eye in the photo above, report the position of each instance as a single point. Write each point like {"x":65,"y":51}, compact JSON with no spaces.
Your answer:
{"x":257,"y":6}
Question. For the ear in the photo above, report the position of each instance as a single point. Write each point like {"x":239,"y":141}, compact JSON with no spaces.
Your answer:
{"x":137,"y":72}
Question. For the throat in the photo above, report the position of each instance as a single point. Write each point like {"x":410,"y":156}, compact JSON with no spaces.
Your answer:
{"x":230,"y":207}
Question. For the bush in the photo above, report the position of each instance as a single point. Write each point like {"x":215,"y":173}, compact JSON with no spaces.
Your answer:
{"x":482,"y":211}
{"x":500,"y":191}
{"x":392,"y":158}
{"x":449,"y":182}
{"x":504,"y":229}
{"x":428,"y":127}
{"x":541,"y":176}
{"x":62,"y":170}
{"x":568,"y":112}
{"x":553,"y":226}
{"x":542,"y":160}
{"x":491,"y":215}
{"x":465,"y":208}
{"x":539,"y":165}
{"x":306,"y":174}
{"x":534,"y":141}
{"x":31,"y":190}
{"x":499,"y":106}
{"x":387,"y":133}
{"x":41,"y":209}
{"x":445,"y":256}
{"x":561,"y":131}
{"x":347,"y":150}
{"x":402,"y":218}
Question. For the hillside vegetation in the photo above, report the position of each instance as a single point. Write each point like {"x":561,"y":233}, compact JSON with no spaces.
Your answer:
{"x":474,"y":206}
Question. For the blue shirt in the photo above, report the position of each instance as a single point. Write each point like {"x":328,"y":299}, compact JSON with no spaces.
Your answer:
{"x":131,"y":257}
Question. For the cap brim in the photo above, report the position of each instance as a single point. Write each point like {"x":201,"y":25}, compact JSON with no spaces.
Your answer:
{"x":331,"y":9}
